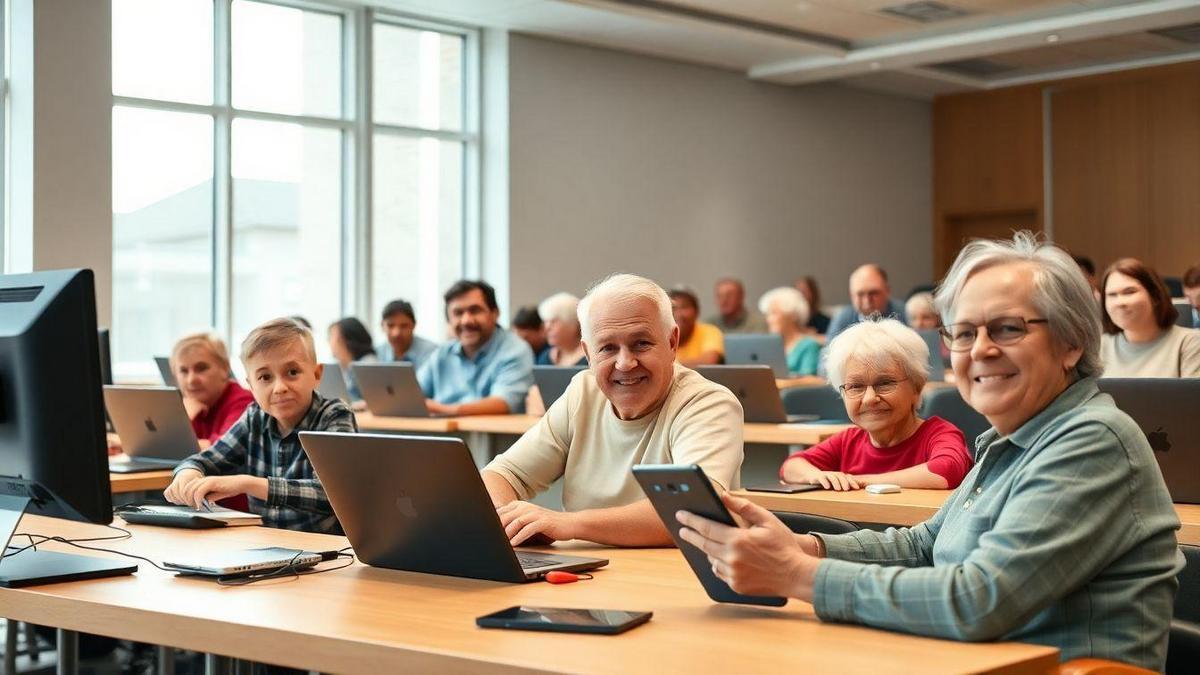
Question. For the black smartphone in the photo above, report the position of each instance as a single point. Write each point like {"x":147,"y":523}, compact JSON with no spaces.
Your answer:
{"x":782,"y":488}
{"x":672,"y":488}
{"x":564,"y":620}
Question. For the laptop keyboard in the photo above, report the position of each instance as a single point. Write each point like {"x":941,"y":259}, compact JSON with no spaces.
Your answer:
{"x":535,"y":560}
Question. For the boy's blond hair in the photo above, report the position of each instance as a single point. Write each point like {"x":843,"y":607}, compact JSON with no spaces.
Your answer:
{"x":278,"y":333}
{"x":205,"y":340}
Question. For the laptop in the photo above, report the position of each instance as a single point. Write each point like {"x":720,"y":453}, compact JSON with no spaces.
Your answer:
{"x":164,"y":369}
{"x":248,"y":561}
{"x":755,"y":387}
{"x":390,"y":389}
{"x":1165,"y":409}
{"x":333,"y":383}
{"x":153,"y":425}
{"x":1184,"y":308}
{"x":937,"y":365}
{"x":552,"y":381}
{"x":418,"y":504}
{"x":756,"y":349}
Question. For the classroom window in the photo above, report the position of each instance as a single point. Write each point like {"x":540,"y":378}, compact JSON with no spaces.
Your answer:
{"x":237,"y":125}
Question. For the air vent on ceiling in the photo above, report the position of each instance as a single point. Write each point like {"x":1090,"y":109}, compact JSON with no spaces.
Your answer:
{"x":925,"y":11}
{"x":1189,"y":33}
{"x":23,"y":294}
{"x":974,"y":67}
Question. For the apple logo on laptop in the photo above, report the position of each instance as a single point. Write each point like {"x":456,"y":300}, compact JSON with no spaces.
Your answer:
{"x":404,"y":504}
{"x":390,"y":391}
{"x":150,"y":425}
{"x":1158,"y":440}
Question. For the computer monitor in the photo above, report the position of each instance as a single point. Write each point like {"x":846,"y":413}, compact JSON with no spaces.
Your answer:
{"x":53,"y":454}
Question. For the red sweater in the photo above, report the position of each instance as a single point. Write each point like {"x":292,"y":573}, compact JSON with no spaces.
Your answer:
{"x":214,"y":422}
{"x":936,"y":442}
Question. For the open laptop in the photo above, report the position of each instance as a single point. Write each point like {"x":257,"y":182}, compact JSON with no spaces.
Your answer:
{"x":390,"y":389}
{"x":1165,"y":409}
{"x":418,"y":504}
{"x":937,"y":365}
{"x":153,"y":425}
{"x":756,"y":349}
{"x":1184,"y":308}
{"x":164,"y":369}
{"x":755,"y":387}
{"x":552,"y":381}
{"x":333,"y":383}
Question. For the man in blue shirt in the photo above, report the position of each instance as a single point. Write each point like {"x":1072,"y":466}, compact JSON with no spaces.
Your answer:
{"x":869,"y":294}
{"x":401,"y":345}
{"x":486,"y":370}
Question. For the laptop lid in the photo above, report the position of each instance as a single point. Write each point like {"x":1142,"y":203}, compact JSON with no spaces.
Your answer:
{"x":1184,"y":308}
{"x":754,"y":386}
{"x":552,"y":381}
{"x":390,"y":389}
{"x":756,"y":349}
{"x":1165,"y":410}
{"x":333,"y":383}
{"x":151,"y":422}
{"x":164,"y":369}
{"x":937,"y":365}
{"x":418,"y":504}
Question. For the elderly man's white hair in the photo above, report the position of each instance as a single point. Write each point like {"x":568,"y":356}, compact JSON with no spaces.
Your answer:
{"x":878,"y":344}
{"x":624,"y":288}
{"x":1061,"y":294}
{"x":790,"y":300}
{"x":921,"y":300}
{"x":561,"y":306}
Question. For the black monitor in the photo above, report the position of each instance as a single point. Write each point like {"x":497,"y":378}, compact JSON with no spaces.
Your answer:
{"x":53,"y":454}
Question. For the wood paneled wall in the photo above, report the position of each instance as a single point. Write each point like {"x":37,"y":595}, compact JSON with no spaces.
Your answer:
{"x":1124,"y":157}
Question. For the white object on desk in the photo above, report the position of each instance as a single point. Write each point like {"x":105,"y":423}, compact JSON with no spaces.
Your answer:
{"x":883,"y":488}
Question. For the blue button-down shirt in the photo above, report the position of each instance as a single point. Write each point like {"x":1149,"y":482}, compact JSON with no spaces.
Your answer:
{"x":502,"y":367}
{"x":418,"y":351}
{"x":849,"y":316}
{"x":1063,"y":534}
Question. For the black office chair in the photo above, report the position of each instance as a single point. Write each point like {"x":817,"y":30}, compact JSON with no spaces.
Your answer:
{"x":1183,"y":648}
{"x":920,"y":288}
{"x":822,"y":401}
{"x":948,"y":404}
{"x":1174,"y":286}
{"x":804,"y":523}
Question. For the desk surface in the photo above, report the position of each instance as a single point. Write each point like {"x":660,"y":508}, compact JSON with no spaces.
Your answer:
{"x":367,"y":620}
{"x":370,"y":422}
{"x":908,"y":507}
{"x":140,"y":482}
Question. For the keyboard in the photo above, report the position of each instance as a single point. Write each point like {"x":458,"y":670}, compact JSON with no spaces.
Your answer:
{"x":536,"y":560}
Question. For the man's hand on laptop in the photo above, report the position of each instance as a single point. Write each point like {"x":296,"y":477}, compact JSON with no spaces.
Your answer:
{"x":532,"y":525}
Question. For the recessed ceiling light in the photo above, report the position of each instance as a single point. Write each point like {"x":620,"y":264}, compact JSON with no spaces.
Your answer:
{"x":1052,"y":38}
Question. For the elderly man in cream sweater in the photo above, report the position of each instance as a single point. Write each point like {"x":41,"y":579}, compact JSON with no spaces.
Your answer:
{"x":633,"y":405}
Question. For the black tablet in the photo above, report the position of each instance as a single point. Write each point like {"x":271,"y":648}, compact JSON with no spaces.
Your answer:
{"x":565,"y":620}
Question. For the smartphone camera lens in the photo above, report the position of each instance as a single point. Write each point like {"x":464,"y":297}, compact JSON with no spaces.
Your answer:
{"x":657,"y":487}
{"x":683,"y":487}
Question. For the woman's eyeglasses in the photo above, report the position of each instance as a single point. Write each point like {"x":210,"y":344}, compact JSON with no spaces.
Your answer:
{"x":1002,"y":330}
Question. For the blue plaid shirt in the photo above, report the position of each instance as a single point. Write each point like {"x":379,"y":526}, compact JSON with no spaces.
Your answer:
{"x":1063,"y":534}
{"x":295,"y":498}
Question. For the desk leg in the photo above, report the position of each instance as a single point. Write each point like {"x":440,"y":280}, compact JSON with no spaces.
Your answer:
{"x":166,"y":660}
{"x":68,"y":652}
{"x":217,"y":665}
{"x":10,"y":646}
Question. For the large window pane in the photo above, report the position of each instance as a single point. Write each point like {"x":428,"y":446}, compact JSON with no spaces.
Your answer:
{"x":418,"y":78}
{"x":163,"y":49}
{"x":162,"y":232}
{"x":287,"y":213}
{"x":286,"y":60}
{"x":416,"y":243}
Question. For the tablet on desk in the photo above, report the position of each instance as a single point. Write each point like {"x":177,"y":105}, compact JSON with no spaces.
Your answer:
{"x":783,"y":488}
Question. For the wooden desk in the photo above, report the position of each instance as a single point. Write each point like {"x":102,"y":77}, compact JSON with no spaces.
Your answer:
{"x":367,"y":620}
{"x":370,"y":422}
{"x":145,"y":481}
{"x":908,"y":507}
{"x":801,"y":381}
{"x":791,"y":434}
{"x":497,"y":424}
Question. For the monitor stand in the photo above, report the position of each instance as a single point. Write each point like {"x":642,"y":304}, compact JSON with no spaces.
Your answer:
{"x":34,"y":568}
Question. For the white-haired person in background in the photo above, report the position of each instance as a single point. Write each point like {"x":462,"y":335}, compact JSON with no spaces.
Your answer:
{"x":787,"y":316}
{"x":880,"y":366}
{"x":634,"y":405}
{"x":561,"y":323}
{"x":1062,"y":535}
{"x":921,"y":313}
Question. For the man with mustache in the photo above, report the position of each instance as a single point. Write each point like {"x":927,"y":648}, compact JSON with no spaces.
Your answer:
{"x":634,"y":405}
{"x":486,"y":370}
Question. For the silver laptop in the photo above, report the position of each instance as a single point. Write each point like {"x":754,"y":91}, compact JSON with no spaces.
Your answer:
{"x":418,"y":504}
{"x":333,"y":383}
{"x":1165,"y":409}
{"x":247,"y":561}
{"x":756,"y":349}
{"x":755,"y":387}
{"x":390,"y":389}
{"x":164,"y":369}
{"x":937,"y":365}
{"x":153,"y":425}
{"x":552,"y":381}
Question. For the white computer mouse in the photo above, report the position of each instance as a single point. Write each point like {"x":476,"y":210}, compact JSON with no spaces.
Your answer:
{"x":883,"y":488}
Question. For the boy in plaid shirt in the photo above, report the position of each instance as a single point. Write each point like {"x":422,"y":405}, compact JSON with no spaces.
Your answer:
{"x":260,"y":455}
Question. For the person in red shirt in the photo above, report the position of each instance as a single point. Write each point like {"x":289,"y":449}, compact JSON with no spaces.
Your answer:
{"x":880,"y":367}
{"x":213,"y":400}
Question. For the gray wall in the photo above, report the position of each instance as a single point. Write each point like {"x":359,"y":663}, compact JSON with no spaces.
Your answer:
{"x":683,"y":173}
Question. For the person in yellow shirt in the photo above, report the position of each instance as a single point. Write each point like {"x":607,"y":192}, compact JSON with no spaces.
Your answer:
{"x":700,"y":344}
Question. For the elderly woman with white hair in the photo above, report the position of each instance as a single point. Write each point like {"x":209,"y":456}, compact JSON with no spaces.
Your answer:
{"x":1063,"y":533}
{"x":921,"y":313}
{"x":787,"y":313}
{"x":562,"y":332}
{"x":880,"y":367}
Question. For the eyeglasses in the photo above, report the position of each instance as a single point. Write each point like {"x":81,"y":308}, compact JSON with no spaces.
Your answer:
{"x":1002,"y":330}
{"x":882,"y":388}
